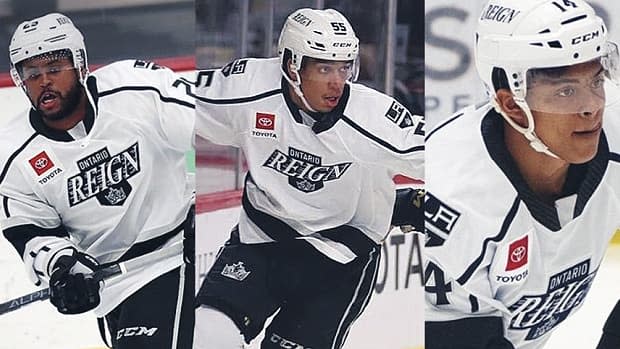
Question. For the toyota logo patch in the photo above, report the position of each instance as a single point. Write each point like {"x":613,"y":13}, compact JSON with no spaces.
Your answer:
{"x":265,"y":121}
{"x":41,"y":163}
{"x":517,"y":254}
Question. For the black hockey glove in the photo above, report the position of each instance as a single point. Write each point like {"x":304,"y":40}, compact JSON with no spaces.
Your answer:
{"x":74,"y":292}
{"x":611,"y":332}
{"x":409,"y":209}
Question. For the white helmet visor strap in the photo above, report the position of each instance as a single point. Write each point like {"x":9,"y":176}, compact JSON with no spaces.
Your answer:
{"x":528,"y":131}
{"x":297,"y":86}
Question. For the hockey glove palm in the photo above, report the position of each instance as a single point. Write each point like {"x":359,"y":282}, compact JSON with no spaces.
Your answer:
{"x":73,"y":290}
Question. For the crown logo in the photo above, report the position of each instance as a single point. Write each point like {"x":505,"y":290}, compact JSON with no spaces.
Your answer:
{"x":236,"y":271}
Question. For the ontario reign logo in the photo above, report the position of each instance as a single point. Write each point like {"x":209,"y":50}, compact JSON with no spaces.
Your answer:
{"x":565,"y":292}
{"x":304,"y":170}
{"x":104,"y":176}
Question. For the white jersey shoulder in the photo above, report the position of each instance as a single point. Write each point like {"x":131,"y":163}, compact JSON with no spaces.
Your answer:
{"x":376,"y":114}
{"x":16,"y":130}
{"x":132,"y":73}
{"x":240,"y":85}
{"x":241,"y":78}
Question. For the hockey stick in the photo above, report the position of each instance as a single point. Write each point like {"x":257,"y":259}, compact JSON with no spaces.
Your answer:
{"x":103,"y":274}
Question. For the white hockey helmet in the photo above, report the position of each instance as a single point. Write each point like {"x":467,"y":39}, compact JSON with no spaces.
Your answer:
{"x":46,"y":34}
{"x":521,"y":35}
{"x":319,"y":34}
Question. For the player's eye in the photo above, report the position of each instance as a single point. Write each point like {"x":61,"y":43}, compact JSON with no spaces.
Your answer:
{"x":31,"y":74}
{"x":565,"y":92}
{"x":598,"y":82}
{"x":34,"y":76}
{"x":54,"y":69}
{"x":324,"y":69}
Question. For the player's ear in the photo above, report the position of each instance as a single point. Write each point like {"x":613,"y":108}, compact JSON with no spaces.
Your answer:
{"x":290,"y":67}
{"x":508,"y":105}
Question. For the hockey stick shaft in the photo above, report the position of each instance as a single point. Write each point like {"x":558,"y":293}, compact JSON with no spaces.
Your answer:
{"x":103,"y":274}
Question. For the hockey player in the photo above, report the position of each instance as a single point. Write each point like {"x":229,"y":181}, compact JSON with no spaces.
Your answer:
{"x":522,"y":195}
{"x":318,"y":198}
{"x":94,"y":174}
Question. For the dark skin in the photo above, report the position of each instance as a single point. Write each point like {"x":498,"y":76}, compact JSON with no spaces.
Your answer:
{"x":573,"y":136}
{"x":54,"y":89}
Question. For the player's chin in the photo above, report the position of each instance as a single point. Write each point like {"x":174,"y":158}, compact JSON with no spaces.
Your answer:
{"x":583,"y":153}
{"x":324,"y":109}
{"x":54,"y":114}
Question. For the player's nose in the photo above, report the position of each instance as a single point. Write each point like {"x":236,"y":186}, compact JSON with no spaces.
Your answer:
{"x":591,"y":104}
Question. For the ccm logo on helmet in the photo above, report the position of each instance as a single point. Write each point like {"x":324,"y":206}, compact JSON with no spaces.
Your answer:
{"x":585,"y":37}
{"x":342,"y":44}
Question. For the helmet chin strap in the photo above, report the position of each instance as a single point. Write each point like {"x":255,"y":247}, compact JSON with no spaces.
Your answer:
{"x":528,"y":132}
{"x":297,"y":87}
{"x":91,"y":100}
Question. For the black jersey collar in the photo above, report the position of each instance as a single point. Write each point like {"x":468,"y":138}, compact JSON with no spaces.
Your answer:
{"x":582,"y":179}
{"x":324,"y":121}
{"x":36,"y":120}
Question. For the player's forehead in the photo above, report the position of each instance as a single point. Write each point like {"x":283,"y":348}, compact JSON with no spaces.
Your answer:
{"x":317,"y":61}
{"x":61,"y":57}
{"x":574,"y":73}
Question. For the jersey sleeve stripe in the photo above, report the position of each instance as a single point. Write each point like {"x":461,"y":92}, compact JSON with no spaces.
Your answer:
{"x":147,"y":88}
{"x":241,"y":99}
{"x":12,"y":157}
{"x":473,"y":302}
{"x":19,"y":235}
{"x":380,"y":141}
{"x":614,"y":157}
{"x":442,"y":125}
{"x":500,"y":236}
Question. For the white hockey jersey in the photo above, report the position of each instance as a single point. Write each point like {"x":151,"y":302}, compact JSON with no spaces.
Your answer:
{"x":116,"y":180}
{"x":305,"y":177}
{"x":493,"y":248}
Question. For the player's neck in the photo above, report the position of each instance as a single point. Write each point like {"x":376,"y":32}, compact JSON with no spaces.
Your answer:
{"x":543,"y":174}
{"x":72,"y":119}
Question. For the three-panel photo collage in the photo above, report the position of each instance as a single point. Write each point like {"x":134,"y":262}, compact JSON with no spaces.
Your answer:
{"x":310,"y":174}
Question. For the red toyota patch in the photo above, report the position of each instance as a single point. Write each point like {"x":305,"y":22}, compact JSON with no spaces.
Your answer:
{"x":41,"y":163}
{"x":517,"y":254}
{"x":265,"y":121}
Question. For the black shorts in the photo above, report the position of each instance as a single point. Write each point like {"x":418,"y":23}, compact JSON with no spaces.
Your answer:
{"x":160,"y":315}
{"x":318,"y":299}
